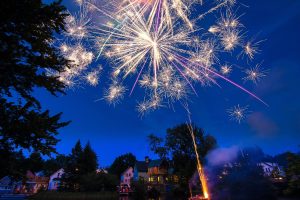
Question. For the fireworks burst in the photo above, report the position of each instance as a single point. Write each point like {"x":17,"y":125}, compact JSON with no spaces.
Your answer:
{"x":226,"y":69}
{"x":255,"y":74}
{"x":115,"y":93}
{"x":154,"y":45}
{"x":92,"y":77}
{"x":238,"y":113}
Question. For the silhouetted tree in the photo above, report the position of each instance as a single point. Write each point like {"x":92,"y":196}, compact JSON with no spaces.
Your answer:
{"x":293,"y":174}
{"x":71,"y":178}
{"x":54,"y":164}
{"x":121,"y":163}
{"x":35,"y":162}
{"x":15,"y":160}
{"x":89,"y":160}
{"x":178,"y":148}
{"x":27,"y":28}
{"x":82,"y":162}
{"x":156,"y":145}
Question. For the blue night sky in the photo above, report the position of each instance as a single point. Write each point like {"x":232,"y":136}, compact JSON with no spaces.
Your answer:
{"x":113,"y":131}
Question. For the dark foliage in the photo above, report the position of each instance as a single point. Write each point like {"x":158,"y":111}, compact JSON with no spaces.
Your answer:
{"x":52,"y":165}
{"x":93,"y":182}
{"x":178,"y":148}
{"x":81,"y":163}
{"x":293,"y":175}
{"x":35,"y":162}
{"x":242,"y":179}
{"x":27,"y":28}
{"x":15,"y":160}
{"x":121,"y":163}
{"x":140,"y":190}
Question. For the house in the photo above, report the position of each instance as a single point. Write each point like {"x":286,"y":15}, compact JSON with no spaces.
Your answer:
{"x":272,"y":170}
{"x":158,"y":171}
{"x":33,"y":183}
{"x":101,"y":171}
{"x":6,"y":185}
{"x":126,"y":176}
{"x":54,"y":180}
{"x":141,"y":170}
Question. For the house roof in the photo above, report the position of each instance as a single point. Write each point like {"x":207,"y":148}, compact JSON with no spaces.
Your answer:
{"x":155,"y":163}
{"x":40,"y":173}
{"x":141,"y":166}
{"x":5,"y":181}
{"x":126,"y":170}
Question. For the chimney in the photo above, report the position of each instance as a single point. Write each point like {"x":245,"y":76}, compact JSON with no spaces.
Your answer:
{"x":147,"y":159}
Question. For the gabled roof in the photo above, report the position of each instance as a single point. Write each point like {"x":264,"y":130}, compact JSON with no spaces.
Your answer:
{"x":126,"y":170}
{"x":155,"y":163}
{"x":141,"y":166}
{"x":158,"y":163}
{"x":40,"y":173}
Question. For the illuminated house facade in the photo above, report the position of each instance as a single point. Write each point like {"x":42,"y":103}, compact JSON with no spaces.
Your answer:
{"x":34,"y":183}
{"x":126,"y":176}
{"x":158,"y":171}
{"x":154,"y":172}
{"x":55,"y":179}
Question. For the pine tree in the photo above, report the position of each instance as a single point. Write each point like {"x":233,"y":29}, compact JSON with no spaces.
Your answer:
{"x":71,"y":177}
{"x":82,"y":162}
{"x":89,"y":160}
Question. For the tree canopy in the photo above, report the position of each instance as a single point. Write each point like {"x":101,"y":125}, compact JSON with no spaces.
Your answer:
{"x":82,"y":162}
{"x":177,"y":146}
{"x":293,"y":174}
{"x":121,"y":163}
{"x":27,"y":29}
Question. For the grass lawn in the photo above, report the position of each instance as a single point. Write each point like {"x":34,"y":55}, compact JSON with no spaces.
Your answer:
{"x":76,"y":195}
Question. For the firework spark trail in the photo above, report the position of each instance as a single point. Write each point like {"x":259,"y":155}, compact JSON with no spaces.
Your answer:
{"x":200,"y":169}
{"x":217,"y":7}
{"x":137,"y":79}
{"x":231,"y":82}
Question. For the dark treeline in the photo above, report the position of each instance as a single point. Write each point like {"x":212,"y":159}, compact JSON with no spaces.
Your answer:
{"x":241,"y":178}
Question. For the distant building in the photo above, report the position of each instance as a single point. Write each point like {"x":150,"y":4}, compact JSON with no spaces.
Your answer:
{"x":101,"y":171}
{"x":141,"y":170}
{"x":6,"y":185}
{"x":33,"y":183}
{"x":272,"y":170}
{"x":158,"y":171}
{"x":126,"y":176}
{"x":54,"y":180}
